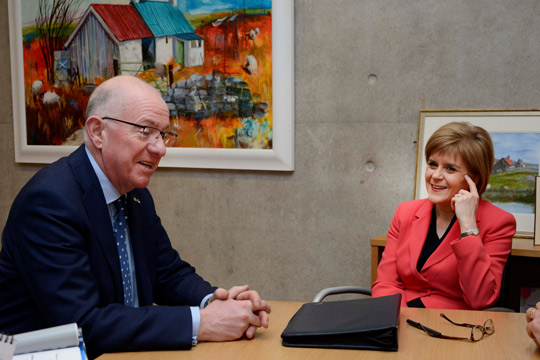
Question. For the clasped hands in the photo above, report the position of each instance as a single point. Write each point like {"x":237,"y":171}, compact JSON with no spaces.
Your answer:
{"x":232,"y":314}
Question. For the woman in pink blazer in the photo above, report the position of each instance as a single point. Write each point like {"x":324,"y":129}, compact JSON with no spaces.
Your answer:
{"x":448,"y":251}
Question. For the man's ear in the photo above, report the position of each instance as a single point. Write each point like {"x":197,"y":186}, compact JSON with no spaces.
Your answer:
{"x":95,"y":128}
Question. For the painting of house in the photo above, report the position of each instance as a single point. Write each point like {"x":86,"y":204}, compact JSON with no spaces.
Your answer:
{"x":520,"y":164}
{"x":112,"y":39}
{"x":503,"y":165}
{"x":106,"y":42}
{"x":174,"y":38}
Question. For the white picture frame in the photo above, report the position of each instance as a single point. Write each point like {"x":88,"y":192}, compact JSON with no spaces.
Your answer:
{"x":536,"y":217}
{"x":279,"y":158}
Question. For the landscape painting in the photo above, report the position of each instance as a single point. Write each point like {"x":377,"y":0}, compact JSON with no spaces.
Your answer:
{"x":512,"y":182}
{"x":212,"y":62}
{"x":516,"y":141}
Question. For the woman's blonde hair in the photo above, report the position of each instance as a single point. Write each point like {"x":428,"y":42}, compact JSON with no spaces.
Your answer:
{"x":472,"y":143}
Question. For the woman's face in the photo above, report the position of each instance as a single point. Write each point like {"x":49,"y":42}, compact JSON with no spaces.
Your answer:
{"x":445,"y":176}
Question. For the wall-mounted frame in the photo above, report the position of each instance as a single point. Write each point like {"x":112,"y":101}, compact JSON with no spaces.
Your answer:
{"x":516,"y":139}
{"x":280,"y":157}
{"x":537,"y":206}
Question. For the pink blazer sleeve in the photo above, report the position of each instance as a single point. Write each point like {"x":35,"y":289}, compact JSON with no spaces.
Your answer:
{"x":481,"y":258}
{"x":388,"y":281}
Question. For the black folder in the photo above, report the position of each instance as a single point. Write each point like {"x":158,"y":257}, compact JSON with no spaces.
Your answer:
{"x":367,"y":324}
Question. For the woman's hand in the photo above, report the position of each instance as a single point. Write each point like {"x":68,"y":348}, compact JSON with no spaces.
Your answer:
{"x":465,"y":205}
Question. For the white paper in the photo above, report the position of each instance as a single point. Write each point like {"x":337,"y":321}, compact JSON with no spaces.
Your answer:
{"x":71,"y":353}
{"x":47,"y":339}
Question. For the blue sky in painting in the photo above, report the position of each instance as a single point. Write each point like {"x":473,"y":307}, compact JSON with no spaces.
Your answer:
{"x":28,"y":7}
{"x":204,"y":6}
{"x":524,"y":146}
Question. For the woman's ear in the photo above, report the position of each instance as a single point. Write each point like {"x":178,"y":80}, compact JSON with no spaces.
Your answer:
{"x":95,"y":127}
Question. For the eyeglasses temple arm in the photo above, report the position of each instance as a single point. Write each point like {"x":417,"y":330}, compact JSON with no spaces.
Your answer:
{"x":423,"y":327}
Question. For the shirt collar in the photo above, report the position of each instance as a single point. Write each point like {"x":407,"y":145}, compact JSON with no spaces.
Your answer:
{"x":109,"y":191}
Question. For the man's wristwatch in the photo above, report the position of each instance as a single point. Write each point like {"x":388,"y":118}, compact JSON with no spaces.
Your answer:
{"x":469,"y":232}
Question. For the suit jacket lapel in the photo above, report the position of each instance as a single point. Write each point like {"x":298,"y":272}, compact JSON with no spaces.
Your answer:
{"x":419,"y":230}
{"x":445,"y":248}
{"x":96,"y":210}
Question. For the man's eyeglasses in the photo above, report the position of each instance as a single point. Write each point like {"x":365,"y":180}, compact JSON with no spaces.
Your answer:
{"x":150,"y":134}
{"x":477,"y":331}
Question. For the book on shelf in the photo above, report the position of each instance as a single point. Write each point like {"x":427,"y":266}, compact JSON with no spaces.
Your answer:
{"x":63,"y":342}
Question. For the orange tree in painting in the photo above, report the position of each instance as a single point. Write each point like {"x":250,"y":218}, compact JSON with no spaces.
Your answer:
{"x":53,"y":22}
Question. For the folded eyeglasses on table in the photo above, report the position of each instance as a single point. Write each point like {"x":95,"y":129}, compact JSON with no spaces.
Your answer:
{"x":477,"y":331}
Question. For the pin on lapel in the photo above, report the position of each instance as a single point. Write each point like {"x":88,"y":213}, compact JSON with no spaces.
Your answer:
{"x":137,"y":200}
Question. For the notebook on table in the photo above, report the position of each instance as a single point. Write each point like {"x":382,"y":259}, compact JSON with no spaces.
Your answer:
{"x":369,"y":324}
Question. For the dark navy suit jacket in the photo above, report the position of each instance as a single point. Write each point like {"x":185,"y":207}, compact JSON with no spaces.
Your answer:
{"x":59,"y":264}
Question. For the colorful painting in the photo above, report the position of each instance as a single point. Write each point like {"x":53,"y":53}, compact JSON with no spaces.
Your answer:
{"x":212,"y":61}
{"x":516,"y":141}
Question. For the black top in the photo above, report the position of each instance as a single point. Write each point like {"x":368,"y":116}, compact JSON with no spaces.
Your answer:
{"x":431,"y":244}
{"x":432,"y":239}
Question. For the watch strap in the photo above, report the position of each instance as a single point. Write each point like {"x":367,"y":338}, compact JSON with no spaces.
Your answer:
{"x":469,"y":232}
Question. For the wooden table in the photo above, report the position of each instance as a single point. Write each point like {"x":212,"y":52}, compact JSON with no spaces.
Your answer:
{"x":521,"y":246}
{"x":510,"y":340}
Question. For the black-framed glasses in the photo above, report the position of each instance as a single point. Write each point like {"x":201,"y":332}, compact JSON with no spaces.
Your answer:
{"x":477,"y":331}
{"x":150,"y":134}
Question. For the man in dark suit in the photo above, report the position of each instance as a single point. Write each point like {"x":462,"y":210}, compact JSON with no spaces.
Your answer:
{"x":61,"y":261}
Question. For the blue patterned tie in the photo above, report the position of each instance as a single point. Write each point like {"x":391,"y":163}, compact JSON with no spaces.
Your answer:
{"x":120,"y":227}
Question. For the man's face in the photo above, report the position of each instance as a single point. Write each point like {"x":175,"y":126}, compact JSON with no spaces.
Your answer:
{"x":128,"y":160}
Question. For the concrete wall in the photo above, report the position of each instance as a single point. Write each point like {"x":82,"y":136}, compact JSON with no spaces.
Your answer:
{"x":291,"y":234}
